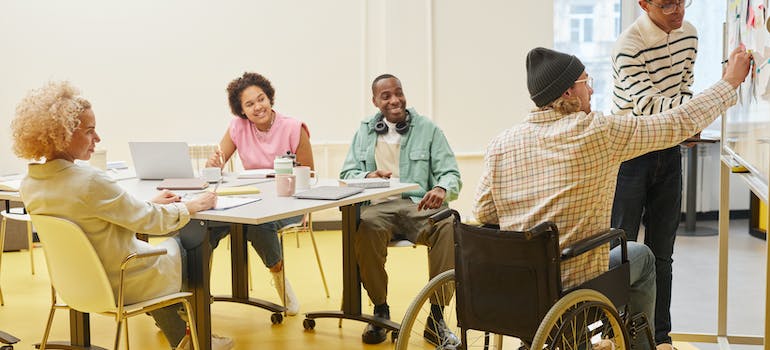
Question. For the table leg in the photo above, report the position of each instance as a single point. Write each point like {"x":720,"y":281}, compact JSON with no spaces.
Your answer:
{"x":239,"y":260}
{"x":351,"y":280}
{"x":198,"y":278}
{"x":690,"y":229}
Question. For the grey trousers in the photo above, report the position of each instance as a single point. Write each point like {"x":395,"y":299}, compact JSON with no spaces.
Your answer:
{"x":380,"y":222}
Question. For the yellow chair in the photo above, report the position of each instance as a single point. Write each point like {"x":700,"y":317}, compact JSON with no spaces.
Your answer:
{"x":30,"y":245}
{"x":78,"y":277}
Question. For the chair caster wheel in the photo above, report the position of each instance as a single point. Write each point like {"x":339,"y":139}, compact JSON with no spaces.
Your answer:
{"x":276,"y":318}
{"x":393,"y":336}
{"x":308,"y":323}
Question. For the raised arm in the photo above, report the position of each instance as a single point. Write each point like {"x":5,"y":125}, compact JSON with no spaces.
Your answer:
{"x":305,"y":150}
{"x":227,"y":147}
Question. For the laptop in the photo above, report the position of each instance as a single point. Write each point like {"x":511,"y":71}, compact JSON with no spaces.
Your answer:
{"x":328,"y":192}
{"x":161,"y":160}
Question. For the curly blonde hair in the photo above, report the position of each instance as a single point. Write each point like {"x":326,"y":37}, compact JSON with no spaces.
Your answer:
{"x":563,"y":105}
{"x":45,"y":120}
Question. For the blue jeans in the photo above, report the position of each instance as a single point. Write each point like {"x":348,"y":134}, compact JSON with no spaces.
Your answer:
{"x":263,"y":237}
{"x":642,"y":281}
{"x":649,"y":191}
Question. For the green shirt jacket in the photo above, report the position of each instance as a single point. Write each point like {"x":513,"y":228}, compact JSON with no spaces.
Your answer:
{"x":425,"y":157}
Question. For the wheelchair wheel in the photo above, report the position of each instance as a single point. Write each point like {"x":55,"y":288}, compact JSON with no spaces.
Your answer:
{"x":581,"y":320}
{"x":418,"y":319}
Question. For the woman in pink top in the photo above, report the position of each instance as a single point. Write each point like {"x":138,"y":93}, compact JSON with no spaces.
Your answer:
{"x":259,"y":133}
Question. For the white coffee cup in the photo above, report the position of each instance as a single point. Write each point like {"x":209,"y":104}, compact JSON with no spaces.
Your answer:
{"x":211,"y":174}
{"x":99,"y":159}
{"x":303,"y":177}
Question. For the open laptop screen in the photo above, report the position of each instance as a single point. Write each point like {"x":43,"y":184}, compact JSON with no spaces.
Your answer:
{"x":161,"y":160}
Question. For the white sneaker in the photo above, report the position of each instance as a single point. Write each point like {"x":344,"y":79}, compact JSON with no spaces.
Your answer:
{"x":217,"y":343}
{"x":292,"y":303}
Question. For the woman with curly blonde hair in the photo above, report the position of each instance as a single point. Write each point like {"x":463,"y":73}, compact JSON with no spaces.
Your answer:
{"x":54,"y":126}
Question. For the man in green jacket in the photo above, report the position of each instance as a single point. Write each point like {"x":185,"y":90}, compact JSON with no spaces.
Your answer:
{"x":399,"y":143}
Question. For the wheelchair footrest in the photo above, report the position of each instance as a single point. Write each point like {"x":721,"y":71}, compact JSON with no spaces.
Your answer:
{"x":638,"y":325}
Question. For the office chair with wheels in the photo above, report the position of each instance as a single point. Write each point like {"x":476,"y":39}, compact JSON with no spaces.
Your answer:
{"x":79,"y":279}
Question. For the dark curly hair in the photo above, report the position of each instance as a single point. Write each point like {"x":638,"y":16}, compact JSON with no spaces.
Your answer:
{"x":236,"y":87}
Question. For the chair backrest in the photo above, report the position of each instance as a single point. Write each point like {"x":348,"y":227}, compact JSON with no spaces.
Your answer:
{"x":75,"y":270}
{"x":506,"y":281}
{"x":201,"y":153}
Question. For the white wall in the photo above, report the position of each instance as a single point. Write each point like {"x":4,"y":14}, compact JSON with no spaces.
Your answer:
{"x":157,"y":70}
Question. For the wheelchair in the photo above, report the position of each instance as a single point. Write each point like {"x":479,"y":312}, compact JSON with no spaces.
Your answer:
{"x":509,"y":283}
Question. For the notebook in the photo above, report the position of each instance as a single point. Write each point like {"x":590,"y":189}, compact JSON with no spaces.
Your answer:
{"x":328,"y":192}
{"x":366,"y":183}
{"x":10,"y":185}
{"x":256,"y":174}
{"x":230,"y":191}
{"x":183,"y":184}
{"x":161,"y":160}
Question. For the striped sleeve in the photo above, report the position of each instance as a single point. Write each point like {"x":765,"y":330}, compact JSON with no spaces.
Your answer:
{"x":654,"y":80}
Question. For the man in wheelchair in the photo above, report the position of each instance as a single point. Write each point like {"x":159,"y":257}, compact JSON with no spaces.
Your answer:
{"x":561,"y":163}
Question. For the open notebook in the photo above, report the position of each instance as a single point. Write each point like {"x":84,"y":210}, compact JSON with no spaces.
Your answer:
{"x":226,"y":202}
{"x":328,"y":192}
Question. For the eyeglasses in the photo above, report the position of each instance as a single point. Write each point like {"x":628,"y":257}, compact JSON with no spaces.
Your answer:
{"x":589,"y":82}
{"x":670,"y":8}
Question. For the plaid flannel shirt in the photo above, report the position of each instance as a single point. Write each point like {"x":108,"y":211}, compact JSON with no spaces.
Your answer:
{"x":563,"y":168}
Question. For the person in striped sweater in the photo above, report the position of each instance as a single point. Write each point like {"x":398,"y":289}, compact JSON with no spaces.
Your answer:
{"x":653,"y":62}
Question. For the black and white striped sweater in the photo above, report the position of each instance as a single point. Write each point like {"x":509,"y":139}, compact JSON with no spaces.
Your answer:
{"x":652,"y":69}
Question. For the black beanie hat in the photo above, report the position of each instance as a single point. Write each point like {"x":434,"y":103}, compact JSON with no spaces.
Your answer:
{"x":550,"y":73}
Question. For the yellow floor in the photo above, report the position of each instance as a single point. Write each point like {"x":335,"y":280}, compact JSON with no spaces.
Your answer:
{"x":27,"y":301}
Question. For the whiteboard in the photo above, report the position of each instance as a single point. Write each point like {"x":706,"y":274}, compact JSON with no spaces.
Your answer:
{"x":747,"y":124}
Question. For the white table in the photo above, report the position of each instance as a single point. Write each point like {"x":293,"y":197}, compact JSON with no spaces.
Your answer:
{"x":270,"y":208}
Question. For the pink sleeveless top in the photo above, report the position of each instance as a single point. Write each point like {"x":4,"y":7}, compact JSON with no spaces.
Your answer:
{"x":258,"y":149}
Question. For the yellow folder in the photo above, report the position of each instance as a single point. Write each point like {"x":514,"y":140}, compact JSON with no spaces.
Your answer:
{"x":229,"y":191}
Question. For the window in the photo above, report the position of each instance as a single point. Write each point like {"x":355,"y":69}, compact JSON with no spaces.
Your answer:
{"x":588,"y":29}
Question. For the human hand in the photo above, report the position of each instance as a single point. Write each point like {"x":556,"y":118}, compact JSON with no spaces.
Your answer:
{"x":215,"y":160}
{"x":166,"y":197}
{"x":432,"y":199}
{"x":204,"y":201}
{"x":385,"y":174}
{"x":738,"y":66}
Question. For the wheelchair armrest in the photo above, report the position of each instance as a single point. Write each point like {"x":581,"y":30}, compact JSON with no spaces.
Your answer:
{"x":593,"y":242}
{"x":443,"y":214}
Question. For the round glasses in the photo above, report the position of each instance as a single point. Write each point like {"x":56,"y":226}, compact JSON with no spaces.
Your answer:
{"x":589,"y":82}
{"x":670,"y":8}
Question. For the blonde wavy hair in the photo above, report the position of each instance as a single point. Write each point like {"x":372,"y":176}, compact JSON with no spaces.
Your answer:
{"x":45,"y":120}
{"x":563,"y":105}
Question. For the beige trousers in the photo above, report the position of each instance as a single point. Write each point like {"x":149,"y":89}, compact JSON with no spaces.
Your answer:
{"x":399,"y":217}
